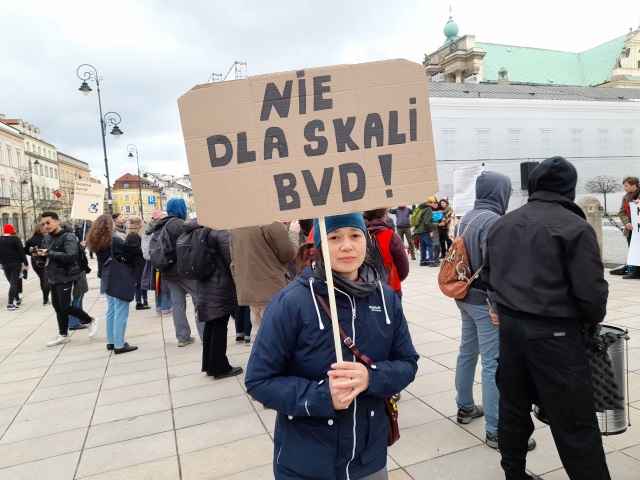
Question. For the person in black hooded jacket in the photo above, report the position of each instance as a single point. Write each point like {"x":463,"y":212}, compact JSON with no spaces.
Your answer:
{"x":217,"y":300}
{"x":544,"y":274}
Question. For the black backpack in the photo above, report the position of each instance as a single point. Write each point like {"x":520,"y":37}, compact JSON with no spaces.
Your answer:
{"x":162,"y":253}
{"x":375,"y":257}
{"x":194,"y":256}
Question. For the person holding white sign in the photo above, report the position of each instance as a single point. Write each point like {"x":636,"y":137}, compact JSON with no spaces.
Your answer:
{"x":632,"y":190}
{"x":331,"y":421}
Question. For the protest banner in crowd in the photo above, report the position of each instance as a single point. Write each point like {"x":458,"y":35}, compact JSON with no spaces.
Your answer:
{"x":88,"y":201}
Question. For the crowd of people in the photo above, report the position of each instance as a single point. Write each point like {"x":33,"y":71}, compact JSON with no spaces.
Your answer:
{"x":271,"y":279}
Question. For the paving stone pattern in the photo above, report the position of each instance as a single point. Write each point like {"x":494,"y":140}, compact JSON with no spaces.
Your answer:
{"x":80,"y":412}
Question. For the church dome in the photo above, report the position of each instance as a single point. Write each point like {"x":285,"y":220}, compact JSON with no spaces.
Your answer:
{"x":451,"y":29}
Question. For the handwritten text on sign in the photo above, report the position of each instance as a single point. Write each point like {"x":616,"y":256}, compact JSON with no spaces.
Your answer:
{"x":314,"y":142}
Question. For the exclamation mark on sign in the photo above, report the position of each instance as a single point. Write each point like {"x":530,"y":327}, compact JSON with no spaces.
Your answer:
{"x":385,"y":167}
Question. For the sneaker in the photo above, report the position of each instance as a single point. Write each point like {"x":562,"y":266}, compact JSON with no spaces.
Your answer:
{"x":93,"y":328}
{"x":424,"y":264}
{"x":78,"y":327}
{"x":465,"y":416}
{"x":188,"y":341}
{"x":45,"y":302}
{"x":140,"y":306}
{"x":247,"y":341}
{"x":619,"y":271}
{"x":12,"y":307}
{"x":239,"y":337}
{"x":58,"y":340}
{"x":492,"y":441}
{"x":19,"y":301}
{"x":434,"y":264}
{"x":125,"y":349}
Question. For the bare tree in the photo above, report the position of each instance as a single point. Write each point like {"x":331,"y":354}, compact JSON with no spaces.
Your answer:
{"x":21,"y":195}
{"x":603,"y":185}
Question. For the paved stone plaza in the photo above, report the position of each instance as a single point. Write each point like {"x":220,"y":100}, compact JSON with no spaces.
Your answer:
{"x":78,"y":411}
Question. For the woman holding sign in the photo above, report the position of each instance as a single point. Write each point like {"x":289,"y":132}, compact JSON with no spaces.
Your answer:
{"x":331,"y":419}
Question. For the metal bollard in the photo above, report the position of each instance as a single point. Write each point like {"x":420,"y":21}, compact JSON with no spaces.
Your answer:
{"x":591,"y":208}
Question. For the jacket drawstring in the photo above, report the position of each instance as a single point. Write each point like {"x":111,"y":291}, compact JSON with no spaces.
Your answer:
{"x":315,"y":302}
{"x":384,"y":304}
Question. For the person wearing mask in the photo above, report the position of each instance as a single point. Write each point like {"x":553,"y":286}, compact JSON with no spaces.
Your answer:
{"x":178,"y":285}
{"x":31,"y":247}
{"x":545,"y":277}
{"x":403,"y":224}
{"x":331,"y":415}
{"x":120,"y":227}
{"x":13,"y":260}
{"x":105,"y":242}
{"x":259,"y":258}
{"x":391,"y":247}
{"x":134,"y":242}
{"x":479,"y":335}
{"x":632,"y":195}
{"x":60,"y":251}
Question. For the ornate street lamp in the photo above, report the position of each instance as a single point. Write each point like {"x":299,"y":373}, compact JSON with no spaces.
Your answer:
{"x":111,"y":118}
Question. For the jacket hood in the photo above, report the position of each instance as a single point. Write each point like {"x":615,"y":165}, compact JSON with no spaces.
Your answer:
{"x":551,"y":197}
{"x":191,"y":225}
{"x":493,"y":190}
{"x":316,"y":286}
{"x":376,"y":226}
{"x":64,"y":228}
{"x":555,"y":174}
{"x":177,"y":208}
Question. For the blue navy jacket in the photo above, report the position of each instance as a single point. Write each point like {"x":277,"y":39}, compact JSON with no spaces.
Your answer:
{"x":287,"y":372}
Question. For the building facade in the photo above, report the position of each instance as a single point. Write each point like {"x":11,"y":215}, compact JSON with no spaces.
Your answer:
{"x":501,"y":127}
{"x":15,"y":199}
{"x":133,"y":195}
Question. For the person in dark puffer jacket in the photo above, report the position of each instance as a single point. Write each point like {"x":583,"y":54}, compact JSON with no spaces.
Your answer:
{"x":13,"y":260}
{"x":331,"y":421}
{"x":217,"y":301}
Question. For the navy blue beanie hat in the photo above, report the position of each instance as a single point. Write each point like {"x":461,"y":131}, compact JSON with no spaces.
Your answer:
{"x":335,"y":222}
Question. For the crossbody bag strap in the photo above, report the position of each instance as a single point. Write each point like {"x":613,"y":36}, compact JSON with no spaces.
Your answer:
{"x":347,"y":340}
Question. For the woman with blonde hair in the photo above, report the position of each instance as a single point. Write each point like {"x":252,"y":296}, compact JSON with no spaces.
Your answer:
{"x":102,"y":240}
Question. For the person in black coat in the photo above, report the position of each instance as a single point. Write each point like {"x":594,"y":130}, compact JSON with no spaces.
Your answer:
{"x":134,"y":241}
{"x":13,"y":260}
{"x":544,"y":275}
{"x":217,"y":301}
{"x":30,"y":248}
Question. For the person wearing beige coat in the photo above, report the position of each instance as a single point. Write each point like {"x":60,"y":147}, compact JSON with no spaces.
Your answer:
{"x":259,"y":257}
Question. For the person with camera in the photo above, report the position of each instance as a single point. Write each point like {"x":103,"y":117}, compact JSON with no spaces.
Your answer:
{"x":13,"y":260}
{"x":60,"y":251}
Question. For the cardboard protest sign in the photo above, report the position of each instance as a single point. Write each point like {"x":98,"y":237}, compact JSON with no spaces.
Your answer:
{"x":633,"y":258}
{"x":88,"y":201}
{"x":309,"y":143}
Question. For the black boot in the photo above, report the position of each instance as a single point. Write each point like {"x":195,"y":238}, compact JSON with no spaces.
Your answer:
{"x":635,"y":273}
{"x":619,"y":271}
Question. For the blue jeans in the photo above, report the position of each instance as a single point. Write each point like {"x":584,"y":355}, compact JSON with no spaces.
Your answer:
{"x":426,"y":243}
{"x":117,"y":316}
{"x":163,"y":302}
{"x":76,"y":302}
{"x":141,"y":295}
{"x":479,"y":336}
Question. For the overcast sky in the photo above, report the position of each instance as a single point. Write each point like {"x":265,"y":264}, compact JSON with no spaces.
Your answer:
{"x":149,"y":52}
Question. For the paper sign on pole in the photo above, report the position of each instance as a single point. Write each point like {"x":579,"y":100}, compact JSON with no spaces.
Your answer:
{"x":88,"y":201}
{"x":633,"y":257}
{"x":464,"y":188}
{"x":309,"y":143}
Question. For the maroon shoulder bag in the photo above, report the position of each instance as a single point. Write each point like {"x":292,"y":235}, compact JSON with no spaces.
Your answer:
{"x":391,"y":408}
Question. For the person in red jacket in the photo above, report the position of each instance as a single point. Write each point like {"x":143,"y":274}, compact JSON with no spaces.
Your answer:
{"x":391,"y":247}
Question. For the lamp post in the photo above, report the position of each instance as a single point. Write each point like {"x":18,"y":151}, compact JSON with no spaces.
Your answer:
{"x":132,"y":148}
{"x":111,"y":118}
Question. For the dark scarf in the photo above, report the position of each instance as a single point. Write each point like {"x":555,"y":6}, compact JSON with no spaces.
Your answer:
{"x":366,"y":283}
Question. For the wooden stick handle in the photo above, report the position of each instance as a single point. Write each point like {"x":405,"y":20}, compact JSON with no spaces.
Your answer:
{"x":332,"y":293}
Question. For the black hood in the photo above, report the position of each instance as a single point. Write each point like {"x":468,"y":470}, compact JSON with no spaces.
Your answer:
{"x":556,"y":175}
{"x":191,"y":225}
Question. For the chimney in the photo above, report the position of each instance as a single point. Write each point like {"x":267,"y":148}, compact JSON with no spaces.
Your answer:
{"x":503,"y":76}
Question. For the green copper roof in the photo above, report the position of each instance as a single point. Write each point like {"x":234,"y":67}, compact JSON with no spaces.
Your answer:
{"x":551,"y":67}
